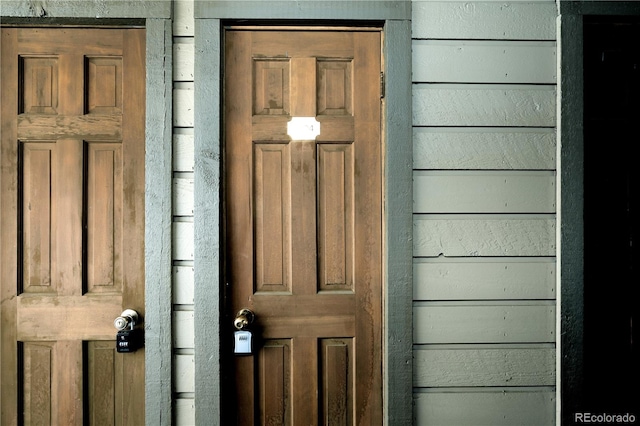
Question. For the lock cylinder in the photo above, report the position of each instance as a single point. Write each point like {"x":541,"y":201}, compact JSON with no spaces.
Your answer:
{"x":127,"y":318}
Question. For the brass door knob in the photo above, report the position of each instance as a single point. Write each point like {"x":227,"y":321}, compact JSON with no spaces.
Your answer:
{"x":243,"y":319}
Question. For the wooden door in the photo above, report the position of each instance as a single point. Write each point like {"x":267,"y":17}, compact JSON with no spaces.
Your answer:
{"x":72,"y":221}
{"x":303,"y":224}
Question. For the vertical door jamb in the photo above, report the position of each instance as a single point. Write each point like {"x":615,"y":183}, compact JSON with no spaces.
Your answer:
{"x":158,"y":220}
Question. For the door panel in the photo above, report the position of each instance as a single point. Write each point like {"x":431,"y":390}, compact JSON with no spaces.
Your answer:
{"x":72,"y":224}
{"x":303,"y":224}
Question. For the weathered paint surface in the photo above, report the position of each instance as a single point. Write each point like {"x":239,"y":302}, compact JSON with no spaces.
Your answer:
{"x":484,"y":116}
{"x":481,"y":148}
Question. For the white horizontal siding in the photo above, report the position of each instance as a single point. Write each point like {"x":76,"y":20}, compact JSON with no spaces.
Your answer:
{"x":183,"y":59}
{"x":183,"y":196}
{"x":483,"y":235}
{"x":183,"y":241}
{"x":185,"y":412}
{"x":183,"y":285}
{"x":486,"y":20}
{"x":183,"y":160}
{"x":183,"y":331}
{"x":183,"y":18}
{"x":484,"y":105}
{"x":185,"y":374}
{"x":483,"y":191}
{"x":182,"y":210}
{"x":473,"y":61}
{"x":484,"y":115}
{"x":450,"y":323}
{"x":183,"y":102}
{"x":490,"y":408}
{"x":484,"y":278}
{"x":460,"y":148}
{"x":486,"y":367}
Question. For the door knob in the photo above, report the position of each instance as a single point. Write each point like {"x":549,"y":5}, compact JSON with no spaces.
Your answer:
{"x":243,"y":319}
{"x":128,"y":318}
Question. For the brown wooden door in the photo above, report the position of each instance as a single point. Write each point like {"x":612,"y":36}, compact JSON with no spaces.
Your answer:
{"x":72,"y":221}
{"x":303,"y":224}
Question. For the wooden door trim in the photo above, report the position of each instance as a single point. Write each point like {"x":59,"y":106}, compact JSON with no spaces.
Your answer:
{"x":397,"y":217}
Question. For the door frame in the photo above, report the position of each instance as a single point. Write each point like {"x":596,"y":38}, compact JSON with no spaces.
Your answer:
{"x":394,"y":17}
{"x":155,"y":17}
{"x":570,"y":358}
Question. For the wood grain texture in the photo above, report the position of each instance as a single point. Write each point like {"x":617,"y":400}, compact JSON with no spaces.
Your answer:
{"x":484,"y":235}
{"x":487,"y":20}
{"x":490,"y":408}
{"x":88,"y":127}
{"x":38,"y":371}
{"x":104,"y":381}
{"x":459,"y":148}
{"x":482,"y":279}
{"x":452,"y":323}
{"x":336,"y":366}
{"x":9,"y":235}
{"x":335,"y":217}
{"x":303,"y":205}
{"x":104,"y":217}
{"x":273,"y":239}
{"x":72,"y":310}
{"x":38,"y":241}
{"x":456,"y":61}
{"x":484,"y":192}
{"x":484,"y":105}
{"x":90,"y":186}
{"x":484,"y":367}
{"x":276,"y":393}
